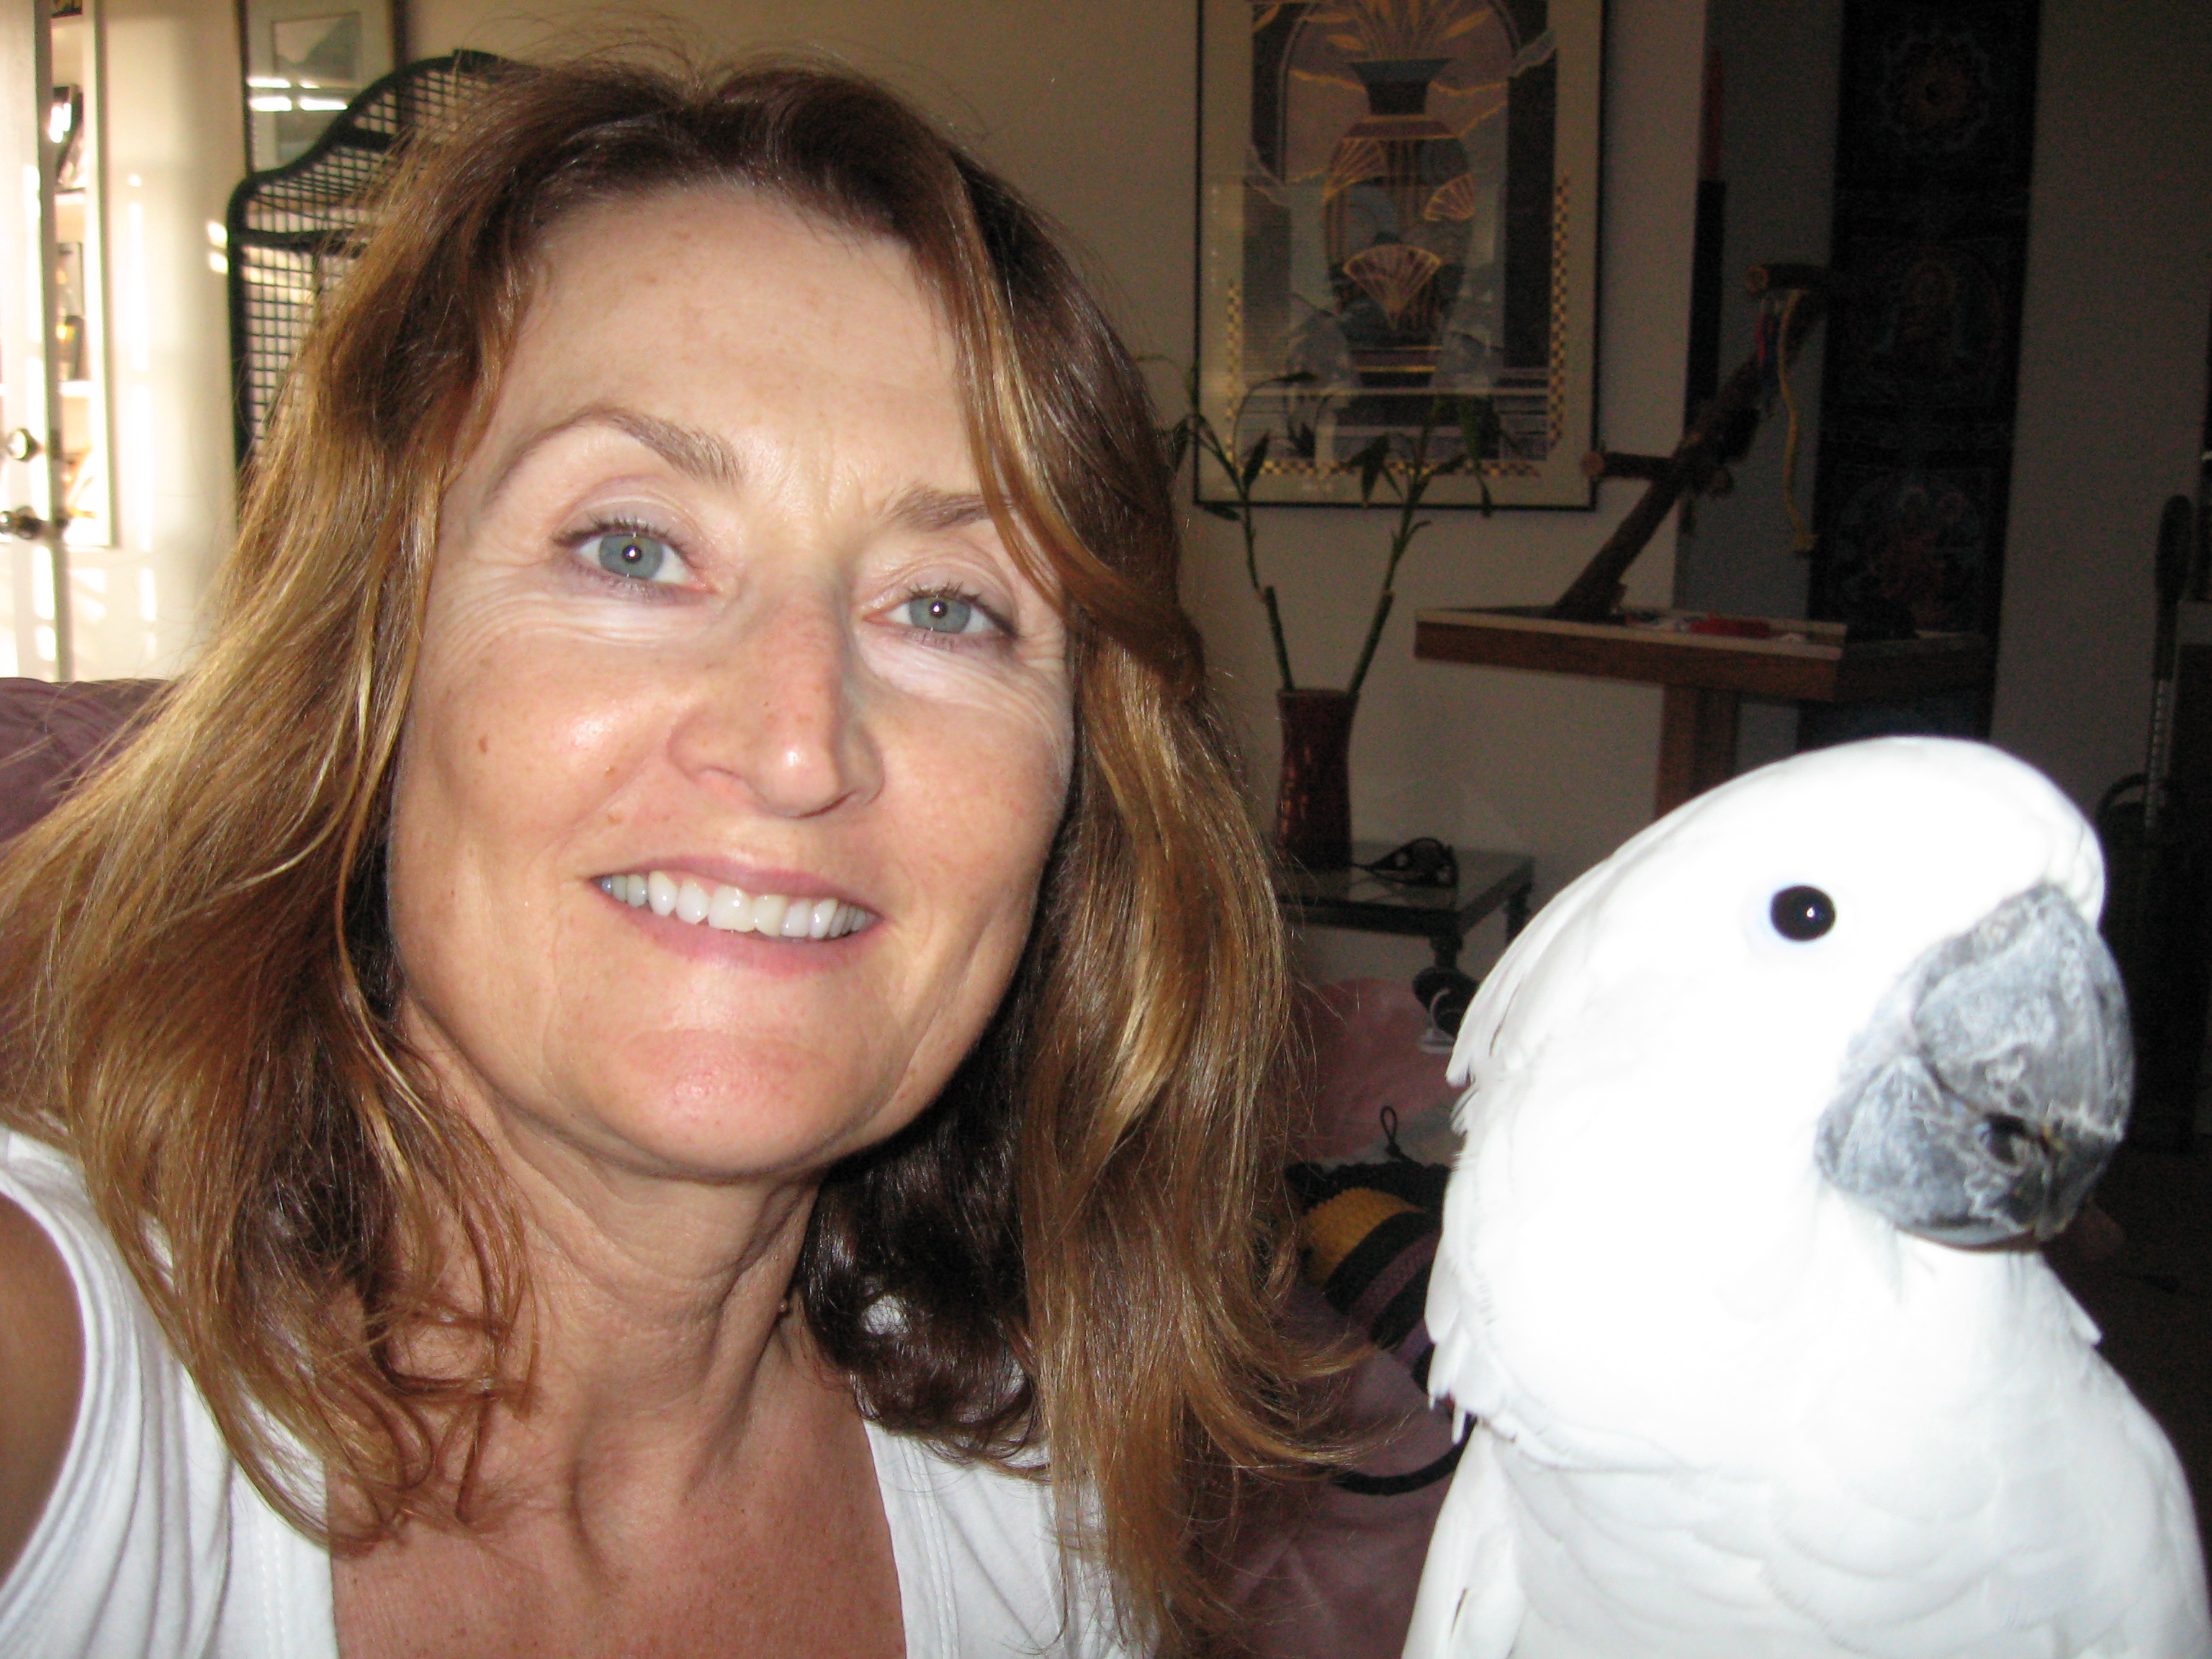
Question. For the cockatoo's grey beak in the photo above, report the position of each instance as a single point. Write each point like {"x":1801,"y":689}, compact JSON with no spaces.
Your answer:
{"x":1983,"y":1099}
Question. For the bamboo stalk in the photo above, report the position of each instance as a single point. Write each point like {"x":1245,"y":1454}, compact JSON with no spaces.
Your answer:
{"x":1275,"y":633}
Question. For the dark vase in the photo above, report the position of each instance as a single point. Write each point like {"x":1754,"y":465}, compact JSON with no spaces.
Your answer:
{"x":1395,"y":222}
{"x":1313,"y":807}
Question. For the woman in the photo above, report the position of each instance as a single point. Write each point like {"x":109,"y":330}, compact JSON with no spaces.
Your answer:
{"x":684,"y":999}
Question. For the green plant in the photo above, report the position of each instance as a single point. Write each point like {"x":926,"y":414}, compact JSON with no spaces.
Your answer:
{"x":1194,"y":430}
{"x":1391,"y":459}
{"x":1409,"y":476}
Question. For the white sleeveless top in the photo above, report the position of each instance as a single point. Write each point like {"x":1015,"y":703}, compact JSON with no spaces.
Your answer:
{"x":155,"y":1544}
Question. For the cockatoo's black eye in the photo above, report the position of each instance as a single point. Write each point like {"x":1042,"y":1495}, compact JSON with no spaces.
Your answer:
{"x":1802,"y":913}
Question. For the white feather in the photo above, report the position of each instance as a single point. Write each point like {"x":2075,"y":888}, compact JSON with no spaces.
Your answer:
{"x":1725,"y":1409}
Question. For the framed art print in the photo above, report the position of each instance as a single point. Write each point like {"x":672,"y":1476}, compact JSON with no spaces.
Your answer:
{"x":305,"y":61}
{"x":1398,"y":204}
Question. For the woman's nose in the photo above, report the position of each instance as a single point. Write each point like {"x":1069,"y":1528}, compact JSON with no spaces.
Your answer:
{"x":780,"y":709}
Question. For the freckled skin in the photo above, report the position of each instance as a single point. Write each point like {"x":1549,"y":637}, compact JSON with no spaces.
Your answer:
{"x":766,"y":700}
{"x":762,"y":412}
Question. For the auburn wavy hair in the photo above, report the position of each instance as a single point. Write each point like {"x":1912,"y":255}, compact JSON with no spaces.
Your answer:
{"x":1083,"y":1244}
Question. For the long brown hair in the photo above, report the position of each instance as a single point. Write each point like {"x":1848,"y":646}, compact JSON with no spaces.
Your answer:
{"x":1079,"y":1247}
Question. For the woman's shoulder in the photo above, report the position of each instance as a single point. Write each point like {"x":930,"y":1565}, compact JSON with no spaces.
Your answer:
{"x":135,"y":1533}
{"x":41,"y":1368}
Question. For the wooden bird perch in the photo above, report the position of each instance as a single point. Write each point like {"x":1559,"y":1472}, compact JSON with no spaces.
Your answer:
{"x":1698,"y":465}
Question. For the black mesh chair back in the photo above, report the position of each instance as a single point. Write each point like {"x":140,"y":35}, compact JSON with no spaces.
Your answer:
{"x":295,"y":229}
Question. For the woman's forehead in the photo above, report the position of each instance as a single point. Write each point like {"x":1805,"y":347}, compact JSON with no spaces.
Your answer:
{"x":727,"y":309}
{"x":633,"y":243}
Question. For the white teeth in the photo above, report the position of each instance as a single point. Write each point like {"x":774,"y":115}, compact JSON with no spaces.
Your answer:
{"x":776,"y":915}
{"x":691,"y":902}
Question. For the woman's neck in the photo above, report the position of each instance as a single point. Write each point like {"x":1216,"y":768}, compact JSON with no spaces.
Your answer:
{"x":661,"y":1353}
{"x":680,"y":1471}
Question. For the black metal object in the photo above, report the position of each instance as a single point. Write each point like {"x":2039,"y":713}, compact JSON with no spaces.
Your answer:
{"x":1708,"y":295}
{"x":1424,"y":861}
{"x":2200,"y":570}
{"x":2158,"y":859}
{"x":293,"y":231}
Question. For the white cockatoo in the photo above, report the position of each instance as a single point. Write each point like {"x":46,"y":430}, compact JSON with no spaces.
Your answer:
{"x":1765,"y":1115}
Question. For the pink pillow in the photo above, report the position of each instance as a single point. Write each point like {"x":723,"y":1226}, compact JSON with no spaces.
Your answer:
{"x":49,"y":732}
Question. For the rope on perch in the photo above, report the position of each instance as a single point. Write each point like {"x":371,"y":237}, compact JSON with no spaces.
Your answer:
{"x":1801,"y":539}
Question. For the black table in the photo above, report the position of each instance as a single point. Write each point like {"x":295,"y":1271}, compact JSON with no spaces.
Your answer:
{"x":1353,"y":898}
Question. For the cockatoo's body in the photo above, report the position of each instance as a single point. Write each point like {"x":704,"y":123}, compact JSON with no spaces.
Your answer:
{"x":1733,"y":1397}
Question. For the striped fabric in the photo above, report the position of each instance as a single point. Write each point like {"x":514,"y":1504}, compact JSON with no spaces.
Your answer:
{"x":1370,"y":1232}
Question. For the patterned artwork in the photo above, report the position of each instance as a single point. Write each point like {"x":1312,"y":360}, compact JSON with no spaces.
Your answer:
{"x":305,"y":61}
{"x":1399,"y":203}
{"x":1932,"y":172}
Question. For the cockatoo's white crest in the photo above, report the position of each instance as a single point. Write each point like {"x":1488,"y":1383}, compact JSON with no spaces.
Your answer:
{"x":1740,"y":1099}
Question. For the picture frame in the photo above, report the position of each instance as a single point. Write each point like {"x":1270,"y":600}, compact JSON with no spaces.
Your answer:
{"x":305,"y":61}
{"x":1398,"y":213}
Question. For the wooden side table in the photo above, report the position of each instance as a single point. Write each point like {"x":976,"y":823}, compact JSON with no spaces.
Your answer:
{"x":1705,"y":676}
{"x":1364,"y":903}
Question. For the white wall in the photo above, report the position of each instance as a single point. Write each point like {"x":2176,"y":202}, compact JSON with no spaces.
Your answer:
{"x":1091,"y":108}
{"x":2112,"y":376}
{"x":174,"y":148}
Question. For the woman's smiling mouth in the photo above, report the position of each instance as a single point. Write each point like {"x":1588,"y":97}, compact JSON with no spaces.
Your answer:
{"x":733,"y":910}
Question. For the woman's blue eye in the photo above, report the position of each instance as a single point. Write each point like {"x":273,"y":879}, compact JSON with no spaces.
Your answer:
{"x":940,"y":613}
{"x":627,"y":553}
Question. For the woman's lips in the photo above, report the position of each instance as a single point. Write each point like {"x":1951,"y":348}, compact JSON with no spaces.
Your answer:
{"x":733,"y":910}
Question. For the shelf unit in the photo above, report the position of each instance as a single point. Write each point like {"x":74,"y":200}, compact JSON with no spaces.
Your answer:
{"x":80,"y":345}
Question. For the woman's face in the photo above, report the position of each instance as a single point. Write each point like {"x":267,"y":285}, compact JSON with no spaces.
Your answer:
{"x":719,"y":619}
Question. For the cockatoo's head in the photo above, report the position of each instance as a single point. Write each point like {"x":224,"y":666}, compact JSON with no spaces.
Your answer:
{"x":1898,"y":934}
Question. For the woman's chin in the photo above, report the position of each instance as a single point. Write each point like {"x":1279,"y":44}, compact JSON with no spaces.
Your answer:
{"x":693,"y":1107}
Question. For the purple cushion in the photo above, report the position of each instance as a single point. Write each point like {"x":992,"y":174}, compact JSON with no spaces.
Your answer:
{"x":49,"y":732}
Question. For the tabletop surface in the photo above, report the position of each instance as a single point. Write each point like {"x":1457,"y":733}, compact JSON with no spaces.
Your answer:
{"x":1357,"y":897}
{"x":1809,"y":661}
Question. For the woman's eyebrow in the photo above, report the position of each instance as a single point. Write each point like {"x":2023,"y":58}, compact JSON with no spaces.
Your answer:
{"x":922,"y":507}
{"x":708,"y":456}
{"x":699,"y":454}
